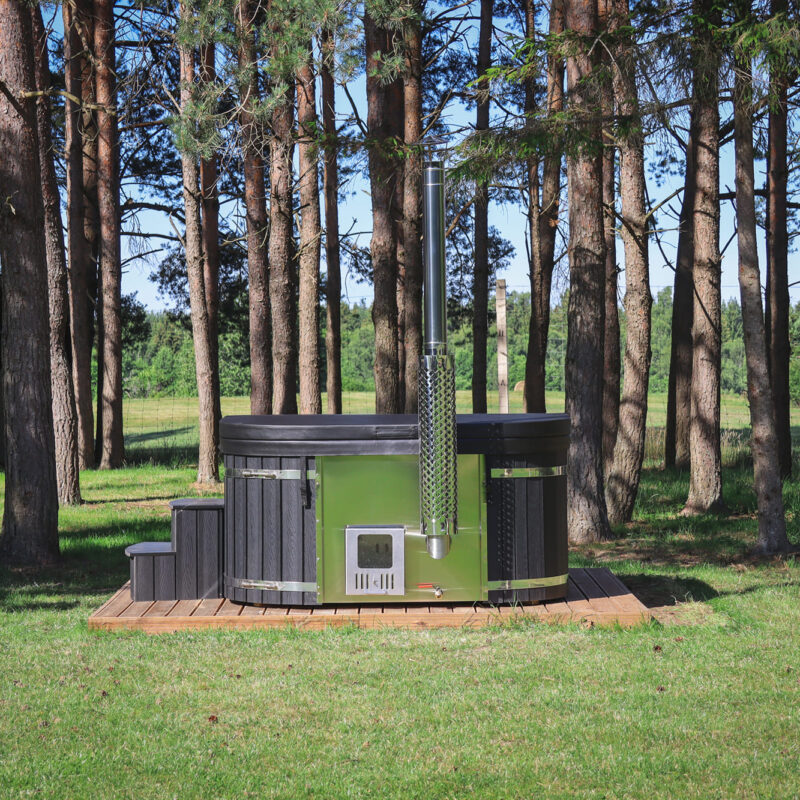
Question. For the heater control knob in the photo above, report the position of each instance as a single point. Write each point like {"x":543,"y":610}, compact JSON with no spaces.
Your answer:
{"x":437,"y":592}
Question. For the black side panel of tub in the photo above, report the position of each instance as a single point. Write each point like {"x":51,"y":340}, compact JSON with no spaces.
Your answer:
{"x":271,"y":530}
{"x":527,"y":531}
{"x":197,"y":533}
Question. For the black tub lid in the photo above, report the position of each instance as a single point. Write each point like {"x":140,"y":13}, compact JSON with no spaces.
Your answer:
{"x":354,"y":427}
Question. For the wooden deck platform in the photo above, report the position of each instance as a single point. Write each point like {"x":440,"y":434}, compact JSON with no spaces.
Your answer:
{"x":594,"y":597}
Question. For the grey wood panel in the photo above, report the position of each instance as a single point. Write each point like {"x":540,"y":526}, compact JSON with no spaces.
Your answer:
{"x":240,"y":541}
{"x":254,"y":530}
{"x":310,"y":534}
{"x":164,"y":577}
{"x":554,"y":526}
{"x":142,"y":578}
{"x":292,"y":531}
{"x":209,"y":552}
{"x":520,"y":535}
{"x":184,"y":526}
{"x":271,"y":515}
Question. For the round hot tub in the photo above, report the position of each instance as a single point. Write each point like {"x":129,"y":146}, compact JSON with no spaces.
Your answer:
{"x":299,"y":489}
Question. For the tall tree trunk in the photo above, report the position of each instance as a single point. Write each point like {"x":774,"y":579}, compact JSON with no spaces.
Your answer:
{"x":397,"y":107}
{"x":544,"y":221}
{"x":383,"y":245}
{"x":587,"y":518}
{"x":333,"y":281}
{"x":679,"y":396}
{"x":766,"y":464}
{"x":30,"y":517}
{"x":65,"y":420}
{"x":77,"y":71}
{"x":310,"y":235}
{"x":256,"y":211}
{"x":110,"y":261}
{"x":412,"y":208}
{"x":778,"y":261}
{"x":85,"y":16}
{"x":207,"y":466}
{"x":622,"y":481}
{"x":611,"y":343}
{"x":480,"y":292}
{"x":282,"y":261}
{"x":210,"y":204}
{"x":705,"y":485}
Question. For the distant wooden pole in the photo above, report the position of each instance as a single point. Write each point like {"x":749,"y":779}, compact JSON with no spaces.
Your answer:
{"x":502,"y":347}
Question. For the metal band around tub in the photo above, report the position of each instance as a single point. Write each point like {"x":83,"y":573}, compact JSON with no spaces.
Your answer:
{"x":527,"y":583}
{"x":270,"y":474}
{"x":270,"y":586}
{"x":528,"y":472}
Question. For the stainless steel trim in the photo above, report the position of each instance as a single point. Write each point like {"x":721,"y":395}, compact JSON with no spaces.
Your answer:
{"x":270,"y":474}
{"x":270,"y":586}
{"x":528,"y":583}
{"x":528,"y":472}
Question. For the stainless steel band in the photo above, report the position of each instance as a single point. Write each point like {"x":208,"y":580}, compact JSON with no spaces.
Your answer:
{"x":527,"y":583}
{"x":269,"y":586}
{"x":270,"y":474}
{"x":528,"y":472}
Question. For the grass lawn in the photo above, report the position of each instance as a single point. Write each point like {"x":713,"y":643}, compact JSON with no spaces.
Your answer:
{"x":165,"y":428}
{"x":704,"y":704}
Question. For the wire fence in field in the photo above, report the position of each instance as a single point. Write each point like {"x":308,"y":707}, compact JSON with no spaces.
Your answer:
{"x":165,"y":429}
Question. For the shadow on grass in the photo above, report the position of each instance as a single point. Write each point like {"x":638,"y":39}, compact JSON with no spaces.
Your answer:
{"x":150,"y":436}
{"x":667,"y":590}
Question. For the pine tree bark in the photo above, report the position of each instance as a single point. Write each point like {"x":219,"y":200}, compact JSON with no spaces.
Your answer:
{"x":622,"y":479}
{"x":30,"y":515}
{"x":611,"y":343}
{"x":705,"y":483}
{"x":209,"y":186}
{"x":282,"y":261}
{"x":110,"y":260}
{"x":679,"y":394}
{"x":480,"y":291}
{"x":81,"y":310}
{"x":333,"y":281}
{"x":543,"y":221}
{"x":587,"y":518}
{"x":207,"y":466}
{"x":383,"y":245}
{"x":778,"y":350}
{"x":764,"y":440}
{"x":412,"y":208}
{"x":310,"y":236}
{"x":256,"y":216}
{"x":65,"y":419}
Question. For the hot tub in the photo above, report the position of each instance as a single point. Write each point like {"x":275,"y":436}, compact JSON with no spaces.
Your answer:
{"x":326,"y":509}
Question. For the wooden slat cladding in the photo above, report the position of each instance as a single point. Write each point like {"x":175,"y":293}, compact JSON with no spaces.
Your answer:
{"x":526,"y":535}
{"x":271,"y":529}
{"x":594,"y":597}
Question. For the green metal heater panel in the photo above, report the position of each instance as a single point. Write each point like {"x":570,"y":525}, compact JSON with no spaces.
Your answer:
{"x":384,"y":490}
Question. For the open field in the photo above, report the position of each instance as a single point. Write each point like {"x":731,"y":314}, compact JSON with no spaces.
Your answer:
{"x":707,"y":708}
{"x":165,"y":428}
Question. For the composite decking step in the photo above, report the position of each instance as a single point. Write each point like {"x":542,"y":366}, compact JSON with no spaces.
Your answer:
{"x":595,"y":597}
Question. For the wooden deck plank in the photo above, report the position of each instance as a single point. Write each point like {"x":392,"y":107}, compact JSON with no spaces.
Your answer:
{"x":184,"y":608}
{"x":594,"y":596}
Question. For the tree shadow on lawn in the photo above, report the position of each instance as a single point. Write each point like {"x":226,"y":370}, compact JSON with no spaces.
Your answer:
{"x":93,"y":563}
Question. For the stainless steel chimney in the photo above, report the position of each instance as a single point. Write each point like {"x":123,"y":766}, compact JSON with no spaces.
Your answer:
{"x":437,"y":386}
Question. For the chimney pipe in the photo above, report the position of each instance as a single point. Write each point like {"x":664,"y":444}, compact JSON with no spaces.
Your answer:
{"x":437,"y":388}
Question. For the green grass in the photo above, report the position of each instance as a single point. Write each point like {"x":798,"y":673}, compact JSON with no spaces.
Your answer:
{"x":706,"y":708}
{"x":165,"y":430}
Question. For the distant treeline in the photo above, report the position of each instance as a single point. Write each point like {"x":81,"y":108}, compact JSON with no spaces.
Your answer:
{"x":158,"y":357}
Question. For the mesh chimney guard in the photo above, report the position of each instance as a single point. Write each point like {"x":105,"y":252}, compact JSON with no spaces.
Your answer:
{"x":437,"y":388}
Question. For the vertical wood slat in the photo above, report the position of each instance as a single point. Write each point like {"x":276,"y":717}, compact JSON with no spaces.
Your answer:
{"x":310,"y":533}
{"x":271,"y":514}
{"x":184,"y":528}
{"x":520,"y":533}
{"x":292,"y":531}
{"x":255,"y":530}
{"x":142,"y":578}
{"x":239,"y":507}
{"x":164,"y":577}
